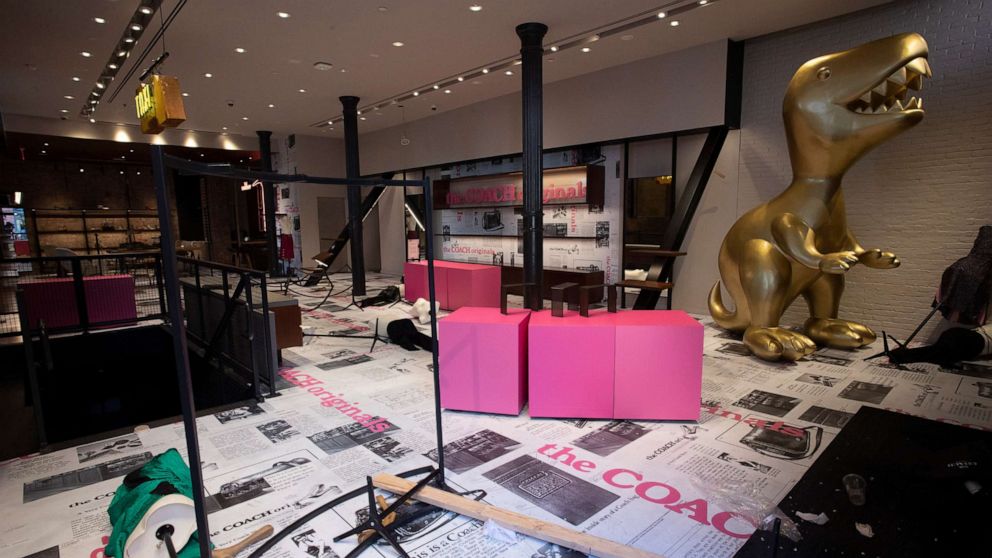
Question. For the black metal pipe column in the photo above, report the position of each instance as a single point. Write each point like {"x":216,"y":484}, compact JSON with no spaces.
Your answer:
{"x":531,"y":57}
{"x":265,"y":147}
{"x":178,"y":329}
{"x":349,"y":105}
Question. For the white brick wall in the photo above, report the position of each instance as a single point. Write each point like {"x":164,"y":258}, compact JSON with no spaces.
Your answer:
{"x":925,"y":193}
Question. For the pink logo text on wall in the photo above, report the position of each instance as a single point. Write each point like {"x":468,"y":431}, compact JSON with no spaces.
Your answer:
{"x":559,"y":187}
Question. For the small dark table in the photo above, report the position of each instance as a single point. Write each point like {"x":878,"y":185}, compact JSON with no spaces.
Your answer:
{"x":917,"y":503}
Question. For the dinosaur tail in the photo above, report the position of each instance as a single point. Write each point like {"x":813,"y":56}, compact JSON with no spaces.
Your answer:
{"x":723,"y":317}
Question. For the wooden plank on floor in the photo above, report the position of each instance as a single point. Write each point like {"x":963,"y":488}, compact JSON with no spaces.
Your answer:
{"x":518,"y":522}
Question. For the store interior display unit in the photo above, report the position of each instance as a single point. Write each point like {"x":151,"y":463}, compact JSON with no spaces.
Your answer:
{"x":160,"y":165}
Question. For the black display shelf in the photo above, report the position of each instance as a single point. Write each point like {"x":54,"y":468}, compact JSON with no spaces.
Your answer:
{"x":546,"y":237}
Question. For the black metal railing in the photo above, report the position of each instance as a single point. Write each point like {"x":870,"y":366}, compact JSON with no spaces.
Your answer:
{"x":227,"y":316}
{"x":72,"y":294}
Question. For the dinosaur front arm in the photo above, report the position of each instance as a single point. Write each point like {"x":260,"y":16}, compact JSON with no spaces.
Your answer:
{"x":796,"y":239}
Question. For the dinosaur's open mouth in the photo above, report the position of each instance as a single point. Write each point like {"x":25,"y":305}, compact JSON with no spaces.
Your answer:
{"x":890,"y":95}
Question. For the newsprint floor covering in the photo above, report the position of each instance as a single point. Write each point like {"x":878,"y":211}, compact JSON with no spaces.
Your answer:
{"x":679,"y":489}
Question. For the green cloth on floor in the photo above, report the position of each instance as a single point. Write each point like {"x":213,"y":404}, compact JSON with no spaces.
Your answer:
{"x":165,"y":474}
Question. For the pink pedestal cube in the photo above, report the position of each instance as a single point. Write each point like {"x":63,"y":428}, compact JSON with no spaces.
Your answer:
{"x":643,"y":364}
{"x":571,"y":362}
{"x":456,"y":284}
{"x":482,"y":359}
{"x":109,"y":298}
{"x":659,"y":365}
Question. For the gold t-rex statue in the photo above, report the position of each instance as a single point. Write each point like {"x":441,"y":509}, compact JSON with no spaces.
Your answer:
{"x":837,"y":107}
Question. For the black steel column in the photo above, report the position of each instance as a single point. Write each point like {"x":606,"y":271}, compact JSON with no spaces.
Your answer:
{"x":265,"y":147}
{"x":349,"y":107}
{"x":531,"y":57}
{"x":178,"y":329}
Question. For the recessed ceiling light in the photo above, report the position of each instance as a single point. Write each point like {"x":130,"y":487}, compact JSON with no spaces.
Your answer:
{"x":383,"y":9}
{"x":70,"y":97}
{"x":201,"y":154}
{"x":322,"y":66}
{"x":436,"y":86}
{"x":447,"y":91}
{"x":112,"y":66}
{"x":132,"y":151}
{"x":508,"y":72}
{"x":239,"y":50}
{"x":703,"y":2}
{"x":586,"y":49}
{"x":362,"y":118}
{"x":129,"y":40}
{"x":303,"y":90}
{"x":85,"y":54}
{"x":674,"y":23}
{"x":100,"y":85}
{"x":138,"y":173}
{"x":223,"y":127}
{"x":93,"y":101}
{"x":46,"y":144}
{"x":661,"y":15}
{"x":271,"y":105}
{"x":475,"y":8}
{"x":554,"y":49}
{"x":135,"y":27}
{"x":627,"y":38}
{"x":75,"y":78}
{"x":244,"y":118}
{"x":99,"y":20}
{"x":485,"y":70}
{"x":343,"y":71}
{"x":122,"y":53}
{"x":208,"y":75}
{"x":145,"y":10}
{"x":43,"y":152}
{"x":397,"y":43}
{"x":81,"y":169}
{"x":122,"y":172}
{"x":329,"y":122}
{"x":92,"y":120}
{"x":416,"y":93}
{"x":64,"y":111}
{"x":185,"y":94}
{"x":460,"y":78}
{"x":283,"y":15}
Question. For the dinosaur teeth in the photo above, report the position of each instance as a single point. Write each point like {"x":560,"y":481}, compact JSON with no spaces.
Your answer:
{"x":920,"y":66}
{"x":915,"y":81}
{"x":897,"y":105}
{"x":899,"y":75}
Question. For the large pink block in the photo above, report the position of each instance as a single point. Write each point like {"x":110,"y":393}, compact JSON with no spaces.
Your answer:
{"x":659,"y":365}
{"x":456,"y":284}
{"x":473,"y":285}
{"x":482,"y":360}
{"x":416,"y":286}
{"x":571,"y":364}
{"x":109,"y":298}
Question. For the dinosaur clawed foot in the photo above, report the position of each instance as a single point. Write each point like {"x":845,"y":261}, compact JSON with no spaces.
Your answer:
{"x":776,"y":343}
{"x":839,"y":334}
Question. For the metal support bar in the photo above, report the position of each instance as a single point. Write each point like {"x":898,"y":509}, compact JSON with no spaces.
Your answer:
{"x":531,"y":54}
{"x":685,"y":210}
{"x":80,"y":292}
{"x":226,"y":318}
{"x":269,"y":190}
{"x":429,"y":225}
{"x":178,"y":328}
{"x":349,"y":106}
{"x":32,"y":370}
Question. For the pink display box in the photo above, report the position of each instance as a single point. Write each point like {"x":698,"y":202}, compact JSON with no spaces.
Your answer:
{"x":456,"y":284}
{"x":571,"y":362}
{"x":659,"y":365}
{"x":482,"y":360}
{"x":109,"y":298}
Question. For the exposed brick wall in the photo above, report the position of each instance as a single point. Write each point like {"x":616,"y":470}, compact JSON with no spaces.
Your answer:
{"x":923,"y":194}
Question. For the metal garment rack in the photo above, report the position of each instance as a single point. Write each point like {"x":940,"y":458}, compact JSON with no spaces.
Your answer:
{"x":161,"y":164}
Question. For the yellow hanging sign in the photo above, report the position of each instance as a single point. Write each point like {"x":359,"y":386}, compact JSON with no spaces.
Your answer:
{"x":159,"y":104}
